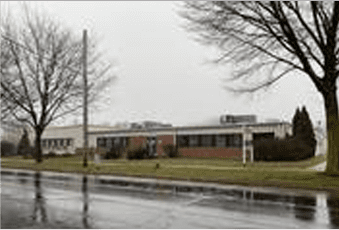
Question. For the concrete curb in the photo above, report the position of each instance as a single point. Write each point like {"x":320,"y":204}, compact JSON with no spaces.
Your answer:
{"x":155,"y":183}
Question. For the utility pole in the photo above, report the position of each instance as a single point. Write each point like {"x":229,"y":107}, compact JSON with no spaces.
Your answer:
{"x":85,"y":146}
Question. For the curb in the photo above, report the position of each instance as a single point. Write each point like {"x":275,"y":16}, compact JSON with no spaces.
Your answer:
{"x":154,"y":183}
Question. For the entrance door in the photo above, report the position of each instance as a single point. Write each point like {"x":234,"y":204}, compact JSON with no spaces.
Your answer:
{"x":152,"y":146}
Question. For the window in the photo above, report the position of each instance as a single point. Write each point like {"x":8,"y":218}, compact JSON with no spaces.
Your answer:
{"x":100,"y":142}
{"x":62,"y":142}
{"x":68,"y":142}
{"x":182,"y":140}
{"x":193,"y":140}
{"x":109,"y":143}
{"x":220,"y":140}
{"x":207,"y":140}
{"x":237,"y":140}
{"x":55,"y":143}
{"x":44,"y":142}
{"x":49,"y":143}
{"x":125,"y":141}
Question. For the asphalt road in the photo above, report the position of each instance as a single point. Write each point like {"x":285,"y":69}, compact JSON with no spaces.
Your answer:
{"x":38,"y":202}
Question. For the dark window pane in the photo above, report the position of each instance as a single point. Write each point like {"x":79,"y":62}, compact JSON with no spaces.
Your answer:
{"x":193,"y":140}
{"x":182,"y":140}
{"x":237,"y":140}
{"x":109,"y":143}
{"x":206,"y":140}
{"x":220,"y":140}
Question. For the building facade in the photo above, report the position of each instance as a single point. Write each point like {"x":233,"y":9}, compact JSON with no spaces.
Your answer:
{"x":225,"y":141}
{"x":66,"y":139}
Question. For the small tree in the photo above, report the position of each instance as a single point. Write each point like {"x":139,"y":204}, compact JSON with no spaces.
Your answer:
{"x":303,"y":128}
{"x":24,"y":146}
{"x":307,"y":129}
{"x":296,"y":122}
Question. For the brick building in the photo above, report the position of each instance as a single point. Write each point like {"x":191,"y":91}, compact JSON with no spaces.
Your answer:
{"x":224,"y":141}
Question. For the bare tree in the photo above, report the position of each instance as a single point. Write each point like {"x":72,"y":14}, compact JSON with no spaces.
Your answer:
{"x":41,"y":70}
{"x":269,"y":40}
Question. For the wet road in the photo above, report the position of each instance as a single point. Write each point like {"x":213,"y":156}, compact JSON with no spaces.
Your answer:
{"x":39,"y":202}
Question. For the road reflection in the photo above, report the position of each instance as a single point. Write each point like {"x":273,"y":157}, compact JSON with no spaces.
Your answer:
{"x":39,"y":213}
{"x":85,"y":202}
{"x":317,"y":209}
{"x":333,"y":209}
{"x":304,"y":208}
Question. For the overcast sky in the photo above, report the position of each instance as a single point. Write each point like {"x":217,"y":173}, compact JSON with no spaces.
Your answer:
{"x":163,"y":74}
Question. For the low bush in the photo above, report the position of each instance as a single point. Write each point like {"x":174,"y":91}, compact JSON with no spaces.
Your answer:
{"x":8,"y":148}
{"x":136,"y":152}
{"x":67,"y":155}
{"x":171,"y":150}
{"x":80,"y":152}
{"x":113,"y":153}
{"x":290,"y":149}
{"x":50,"y":155}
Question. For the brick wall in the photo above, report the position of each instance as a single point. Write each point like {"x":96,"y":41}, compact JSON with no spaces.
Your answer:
{"x":164,"y":140}
{"x":137,"y":141}
{"x":211,"y":152}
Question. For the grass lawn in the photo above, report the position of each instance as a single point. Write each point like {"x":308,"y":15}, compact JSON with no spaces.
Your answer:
{"x":225,"y":171}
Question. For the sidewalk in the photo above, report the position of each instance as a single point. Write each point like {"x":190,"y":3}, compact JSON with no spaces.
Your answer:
{"x":320,"y":167}
{"x":158,"y":183}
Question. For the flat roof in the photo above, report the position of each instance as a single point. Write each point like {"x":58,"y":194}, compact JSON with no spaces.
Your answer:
{"x":191,"y":127}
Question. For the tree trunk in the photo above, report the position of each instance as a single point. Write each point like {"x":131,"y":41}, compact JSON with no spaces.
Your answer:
{"x":38,"y":150}
{"x":332,"y":123}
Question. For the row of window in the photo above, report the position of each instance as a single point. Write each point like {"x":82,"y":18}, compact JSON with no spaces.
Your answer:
{"x":56,"y":142}
{"x":112,"y":142}
{"x":234,"y":140}
{"x":211,"y":140}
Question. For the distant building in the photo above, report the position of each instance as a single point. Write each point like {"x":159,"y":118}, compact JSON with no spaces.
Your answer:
{"x":238,"y":119}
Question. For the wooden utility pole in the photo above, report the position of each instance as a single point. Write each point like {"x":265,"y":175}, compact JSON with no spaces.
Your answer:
{"x":85,"y":146}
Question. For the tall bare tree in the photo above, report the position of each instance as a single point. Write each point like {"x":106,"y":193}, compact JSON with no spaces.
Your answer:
{"x":41,"y":70}
{"x":269,"y":40}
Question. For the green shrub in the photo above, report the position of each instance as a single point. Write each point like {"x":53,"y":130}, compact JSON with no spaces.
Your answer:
{"x":80,"y":152}
{"x":136,"y":152}
{"x":67,"y":155}
{"x":50,"y":155}
{"x":24,"y":147}
{"x":171,"y":150}
{"x":290,"y":149}
{"x":7,"y":148}
{"x":113,"y":153}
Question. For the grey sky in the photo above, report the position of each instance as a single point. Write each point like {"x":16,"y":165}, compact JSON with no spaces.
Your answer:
{"x":163,"y":74}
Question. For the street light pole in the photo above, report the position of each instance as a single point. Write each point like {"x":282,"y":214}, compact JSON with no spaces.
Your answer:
{"x":85,"y":145}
